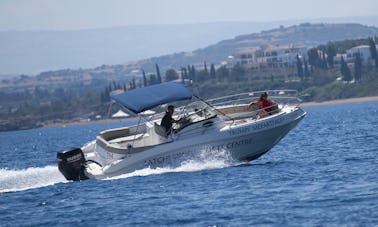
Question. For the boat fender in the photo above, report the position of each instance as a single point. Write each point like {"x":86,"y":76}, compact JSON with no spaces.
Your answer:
{"x":71,"y":163}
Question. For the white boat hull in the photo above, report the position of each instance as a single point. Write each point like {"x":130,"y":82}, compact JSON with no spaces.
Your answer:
{"x":232,"y":127}
{"x":242,"y":142}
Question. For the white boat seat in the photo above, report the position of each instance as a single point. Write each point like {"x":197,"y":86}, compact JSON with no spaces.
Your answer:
{"x":126,"y":138}
{"x":160,"y":130}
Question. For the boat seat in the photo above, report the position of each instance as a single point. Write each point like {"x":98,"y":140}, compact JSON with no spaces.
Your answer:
{"x":160,"y":130}
{"x":126,"y":138}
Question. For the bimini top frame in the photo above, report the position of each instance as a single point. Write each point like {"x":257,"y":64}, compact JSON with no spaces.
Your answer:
{"x":142,"y":99}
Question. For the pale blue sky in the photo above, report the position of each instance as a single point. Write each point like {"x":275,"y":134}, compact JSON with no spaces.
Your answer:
{"x":78,"y":14}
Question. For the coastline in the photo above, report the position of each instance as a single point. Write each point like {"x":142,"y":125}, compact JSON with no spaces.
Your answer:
{"x":131,"y":119}
{"x":84,"y":122}
{"x":341,"y":101}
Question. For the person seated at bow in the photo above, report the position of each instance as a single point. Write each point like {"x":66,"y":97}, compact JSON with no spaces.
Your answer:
{"x":167,"y":120}
{"x":266,"y":106}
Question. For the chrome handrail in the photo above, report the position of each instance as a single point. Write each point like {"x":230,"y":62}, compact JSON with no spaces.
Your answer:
{"x":279,"y":96}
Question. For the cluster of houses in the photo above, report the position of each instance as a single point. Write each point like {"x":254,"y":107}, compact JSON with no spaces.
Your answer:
{"x":286,"y":56}
{"x":363,"y":51}
{"x":268,"y":56}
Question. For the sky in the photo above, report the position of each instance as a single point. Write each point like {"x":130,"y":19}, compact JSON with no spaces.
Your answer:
{"x":83,"y":14}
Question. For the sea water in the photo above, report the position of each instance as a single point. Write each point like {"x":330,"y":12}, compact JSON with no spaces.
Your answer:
{"x":324,"y":172}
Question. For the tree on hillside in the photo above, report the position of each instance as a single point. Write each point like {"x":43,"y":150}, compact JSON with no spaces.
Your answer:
{"x":170,"y":75}
{"x":105,"y":96}
{"x":153,"y":79}
{"x":357,"y":68}
{"x":299,"y":67}
{"x":222,"y":74}
{"x":205,"y":68}
{"x":133,"y":84}
{"x":313,"y":57}
{"x":345,"y":71}
{"x":124,"y":87}
{"x":189,"y":71}
{"x":306,"y":71}
{"x":373,"y":51}
{"x":331,"y":53}
{"x":324,"y":60}
{"x":237,"y":73}
{"x":159,"y":80}
{"x":212,"y":72}
{"x":144,"y":78}
{"x":202,"y":76}
{"x":193,"y":74}
{"x":317,"y":57}
{"x":184,"y":74}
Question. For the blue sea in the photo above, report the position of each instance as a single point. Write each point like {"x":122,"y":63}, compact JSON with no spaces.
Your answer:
{"x":324,"y":172}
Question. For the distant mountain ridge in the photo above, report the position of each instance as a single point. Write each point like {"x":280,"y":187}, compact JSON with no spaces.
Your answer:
{"x":32,"y":52}
{"x":306,"y":34}
{"x":70,"y":93}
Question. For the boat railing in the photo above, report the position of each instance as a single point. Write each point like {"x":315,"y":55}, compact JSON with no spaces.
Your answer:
{"x":283,"y":97}
{"x":245,"y":105}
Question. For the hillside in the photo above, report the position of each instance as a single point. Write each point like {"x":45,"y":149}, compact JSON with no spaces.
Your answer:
{"x":306,"y":34}
{"x":32,"y":52}
{"x":75,"y":95}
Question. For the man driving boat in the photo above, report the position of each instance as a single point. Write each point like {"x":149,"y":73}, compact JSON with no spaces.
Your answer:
{"x":167,"y":120}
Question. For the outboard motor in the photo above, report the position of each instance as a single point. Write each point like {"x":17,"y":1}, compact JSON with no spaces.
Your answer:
{"x":71,"y":164}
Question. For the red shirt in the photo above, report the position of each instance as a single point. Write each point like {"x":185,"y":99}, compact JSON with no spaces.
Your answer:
{"x":264,"y":104}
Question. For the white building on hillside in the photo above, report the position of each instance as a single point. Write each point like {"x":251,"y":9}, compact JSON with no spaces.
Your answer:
{"x":363,"y":51}
{"x":272,"y":56}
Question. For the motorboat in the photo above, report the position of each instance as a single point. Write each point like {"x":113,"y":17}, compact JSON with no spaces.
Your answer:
{"x":233,"y":125}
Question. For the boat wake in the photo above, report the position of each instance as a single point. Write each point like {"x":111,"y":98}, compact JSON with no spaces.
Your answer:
{"x":206,"y":160}
{"x":38,"y":177}
{"x":30,"y":178}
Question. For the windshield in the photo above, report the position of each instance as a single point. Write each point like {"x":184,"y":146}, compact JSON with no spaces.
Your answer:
{"x":195,"y":112}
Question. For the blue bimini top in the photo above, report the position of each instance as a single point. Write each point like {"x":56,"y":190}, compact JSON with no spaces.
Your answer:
{"x":142,"y":99}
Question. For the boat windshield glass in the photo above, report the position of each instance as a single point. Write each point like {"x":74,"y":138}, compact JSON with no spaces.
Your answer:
{"x":195,"y":112}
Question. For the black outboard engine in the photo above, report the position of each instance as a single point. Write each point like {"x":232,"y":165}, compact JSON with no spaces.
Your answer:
{"x":71,"y":164}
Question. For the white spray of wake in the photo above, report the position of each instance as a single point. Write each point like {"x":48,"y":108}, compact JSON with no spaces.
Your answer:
{"x":205,"y":160}
{"x":33,"y":177}
{"x":37,"y":177}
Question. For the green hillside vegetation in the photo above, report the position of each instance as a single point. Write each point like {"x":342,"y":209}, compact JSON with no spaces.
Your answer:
{"x":306,"y":34}
{"x":316,"y":79}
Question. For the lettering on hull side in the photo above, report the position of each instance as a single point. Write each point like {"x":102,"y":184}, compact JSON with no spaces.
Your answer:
{"x":175,"y":159}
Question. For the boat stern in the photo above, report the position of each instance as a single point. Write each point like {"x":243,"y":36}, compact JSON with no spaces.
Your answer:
{"x":71,"y":163}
